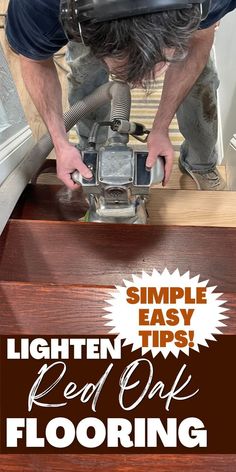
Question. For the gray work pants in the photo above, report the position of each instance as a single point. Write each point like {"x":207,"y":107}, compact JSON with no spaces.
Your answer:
{"x":197,"y":116}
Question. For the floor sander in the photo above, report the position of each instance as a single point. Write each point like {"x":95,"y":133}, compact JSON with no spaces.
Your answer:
{"x":120,"y":183}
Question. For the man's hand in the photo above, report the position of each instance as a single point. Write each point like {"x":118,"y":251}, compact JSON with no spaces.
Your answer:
{"x":69,"y":160}
{"x":159,"y":145}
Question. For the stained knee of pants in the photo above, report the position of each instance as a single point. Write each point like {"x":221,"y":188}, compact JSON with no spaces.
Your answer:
{"x":87,"y":74}
{"x":198,"y":122}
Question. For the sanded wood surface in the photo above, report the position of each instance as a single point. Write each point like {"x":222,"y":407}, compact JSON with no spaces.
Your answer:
{"x":181,"y":181}
{"x":118,"y":463}
{"x":57,"y":309}
{"x":192,"y":207}
{"x":94,"y":254}
{"x":42,"y":201}
{"x":168,"y":207}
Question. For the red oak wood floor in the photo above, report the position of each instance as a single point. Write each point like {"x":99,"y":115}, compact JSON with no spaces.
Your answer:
{"x":49,"y":269}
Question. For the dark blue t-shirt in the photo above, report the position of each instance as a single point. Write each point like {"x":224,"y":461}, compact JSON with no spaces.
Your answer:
{"x":219,"y":8}
{"x":34,"y":29}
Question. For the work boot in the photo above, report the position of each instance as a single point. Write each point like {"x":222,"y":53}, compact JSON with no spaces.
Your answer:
{"x":211,"y":180}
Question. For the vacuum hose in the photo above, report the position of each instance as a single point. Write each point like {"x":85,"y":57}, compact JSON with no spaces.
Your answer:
{"x":116,"y":92}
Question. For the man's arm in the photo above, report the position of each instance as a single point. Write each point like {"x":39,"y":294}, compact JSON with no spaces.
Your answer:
{"x":180,"y":78}
{"x":42,"y":82}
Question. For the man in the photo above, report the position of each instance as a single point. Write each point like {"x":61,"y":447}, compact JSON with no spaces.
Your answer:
{"x":135,"y":49}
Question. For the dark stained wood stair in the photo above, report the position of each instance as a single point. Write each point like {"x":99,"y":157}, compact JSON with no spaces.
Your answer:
{"x":98,"y":254}
{"x":55,"y":275}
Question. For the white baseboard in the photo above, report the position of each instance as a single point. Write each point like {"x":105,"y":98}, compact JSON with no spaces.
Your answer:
{"x":219,"y":145}
{"x":230,"y":157}
{"x":13,"y":150}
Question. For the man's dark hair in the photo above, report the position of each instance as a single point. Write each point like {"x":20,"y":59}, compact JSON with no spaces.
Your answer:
{"x":141,"y":41}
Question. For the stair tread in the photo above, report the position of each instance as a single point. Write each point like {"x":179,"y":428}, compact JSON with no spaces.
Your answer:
{"x":94,"y":254}
{"x":59,"y":309}
{"x":168,"y":207}
{"x":117,"y":462}
{"x":49,"y":202}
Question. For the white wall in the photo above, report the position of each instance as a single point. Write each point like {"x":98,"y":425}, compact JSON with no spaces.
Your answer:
{"x":225,"y":46}
{"x":15,"y":143}
{"x":15,"y":134}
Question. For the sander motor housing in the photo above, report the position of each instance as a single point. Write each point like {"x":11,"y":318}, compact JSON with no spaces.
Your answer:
{"x":120,"y":182}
